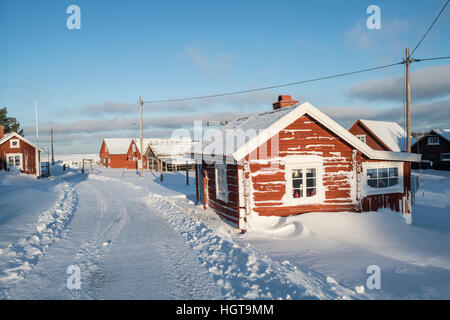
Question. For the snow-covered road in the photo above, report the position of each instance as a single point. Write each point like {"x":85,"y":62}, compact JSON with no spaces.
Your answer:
{"x":135,"y":238}
{"x":123,"y":249}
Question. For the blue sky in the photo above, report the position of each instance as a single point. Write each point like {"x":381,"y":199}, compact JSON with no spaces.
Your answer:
{"x":170,"y":49}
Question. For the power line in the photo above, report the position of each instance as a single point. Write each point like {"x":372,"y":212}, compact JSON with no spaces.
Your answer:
{"x":120,"y":115}
{"x":431,"y":26}
{"x":272,"y":87}
{"x":430,"y":59}
{"x":268,"y":87}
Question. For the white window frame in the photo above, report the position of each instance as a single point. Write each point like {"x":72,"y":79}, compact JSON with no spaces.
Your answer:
{"x":444,"y":154}
{"x":367,"y":190}
{"x":317,"y":164}
{"x":14,"y":155}
{"x":221,"y":189}
{"x":12,"y":146}
{"x":362,"y":137}
{"x":433,"y":143}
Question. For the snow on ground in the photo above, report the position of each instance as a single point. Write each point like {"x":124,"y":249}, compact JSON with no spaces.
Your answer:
{"x":138,"y":238}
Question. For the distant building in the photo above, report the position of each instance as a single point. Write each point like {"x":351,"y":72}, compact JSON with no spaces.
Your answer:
{"x":121,"y":153}
{"x":299,"y":161}
{"x":19,"y":153}
{"x":170,"y":153}
{"x":435,"y":149}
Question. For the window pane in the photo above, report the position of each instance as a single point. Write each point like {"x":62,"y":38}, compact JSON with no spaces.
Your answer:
{"x":393,"y":181}
{"x":311,"y":182}
{"x":297,"y":183}
{"x":382,"y":173}
{"x":11,"y":161}
{"x":297,"y":173}
{"x":310,"y":173}
{"x":297,"y":193}
{"x":372,"y":183}
{"x":382,"y":183}
{"x":393,"y":172}
{"x":371,"y":173}
{"x":310,"y":192}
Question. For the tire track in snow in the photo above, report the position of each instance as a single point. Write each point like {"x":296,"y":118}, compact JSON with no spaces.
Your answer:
{"x":244,"y":272}
{"x":90,"y":255}
{"x":19,"y":258}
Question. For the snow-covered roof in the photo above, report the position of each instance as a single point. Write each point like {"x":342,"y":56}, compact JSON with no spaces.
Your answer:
{"x":117,"y":145}
{"x":9,"y":135}
{"x":390,"y":133}
{"x":170,"y":150}
{"x":145,"y":143}
{"x":445,"y":133}
{"x":266,"y":125}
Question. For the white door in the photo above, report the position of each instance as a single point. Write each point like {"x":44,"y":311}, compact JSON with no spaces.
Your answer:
{"x":14,"y":160}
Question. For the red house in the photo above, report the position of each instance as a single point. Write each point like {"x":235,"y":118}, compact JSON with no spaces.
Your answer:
{"x":20,"y":153}
{"x":381,"y":135}
{"x":122,"y":153}
{"x":295,"y":159}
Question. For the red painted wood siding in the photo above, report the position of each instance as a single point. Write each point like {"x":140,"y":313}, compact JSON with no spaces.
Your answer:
{"x":371,"y":139}
{"x":395,"y":201}
{"x":228,"y":210}
{"x":342,"y":175}
{"x":304,"y":137}
{"x":121,"y":160}
{"x":28,"y":155}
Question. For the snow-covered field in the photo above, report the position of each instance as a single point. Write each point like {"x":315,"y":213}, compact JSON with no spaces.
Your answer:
{"x":135,"y":238}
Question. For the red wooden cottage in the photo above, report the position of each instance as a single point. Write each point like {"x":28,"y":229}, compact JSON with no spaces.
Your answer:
{"x":295,"y":159}
{"x":122,"y":153}
{"x":381,"y":135}
{"x":20,"y":153}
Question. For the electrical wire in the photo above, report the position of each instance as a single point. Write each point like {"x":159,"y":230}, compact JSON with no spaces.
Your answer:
{"x":431,"y":26}
{"x":120,"y":115}
{"x":273,"y":86}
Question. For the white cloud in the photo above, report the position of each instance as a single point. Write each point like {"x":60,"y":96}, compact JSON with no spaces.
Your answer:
{"x":426,"y":83}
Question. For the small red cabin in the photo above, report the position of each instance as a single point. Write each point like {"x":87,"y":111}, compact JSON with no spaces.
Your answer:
{"x":293,"y":160}
{"x":20,"y":153}
{"x":121,"y":153}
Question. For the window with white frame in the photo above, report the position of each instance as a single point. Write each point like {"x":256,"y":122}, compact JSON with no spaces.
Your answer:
{"x":383,"y":177}
{"x":304,"y":177}
{"x":445,"y":157}
{"x":14,"y":143}
{"x":221,"y":182}
{"x":433,"y":141}
{"x":304,"y":182}
{"x":361,"y":137}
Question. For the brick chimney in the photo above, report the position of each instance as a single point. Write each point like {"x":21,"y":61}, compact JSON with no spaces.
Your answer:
{"x":2,"y":131}
{"x":284,"y":102}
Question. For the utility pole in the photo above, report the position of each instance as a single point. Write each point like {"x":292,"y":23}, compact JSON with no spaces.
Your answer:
{"x":408,"y":103}
{"x":53,"y":155}
{"x":142,"y":139}
{"x":36,"y":115}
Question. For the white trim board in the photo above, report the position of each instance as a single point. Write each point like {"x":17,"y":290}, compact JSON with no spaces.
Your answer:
{"x":297,"y":112}
{"x":15,"y":134}
{"x":316,"y":114}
